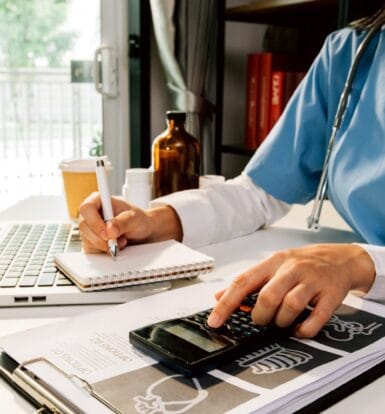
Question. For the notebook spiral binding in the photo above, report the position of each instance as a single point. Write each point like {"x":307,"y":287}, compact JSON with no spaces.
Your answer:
{"x":143,"y":276}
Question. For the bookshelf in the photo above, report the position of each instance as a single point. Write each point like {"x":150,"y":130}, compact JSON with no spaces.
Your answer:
{"x":312,"y":19}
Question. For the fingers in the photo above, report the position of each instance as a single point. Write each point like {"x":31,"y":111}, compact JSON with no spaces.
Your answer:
{"x":320,"y":315}
{"x":122,"y":242}
{"x":90,"y":216}
{"x":243,"y":285}
{"x":277,"y":298}
{"x":319,"y":275}
{"x":94,"y":244}
{"x":94,"y":231}
{"x":219,"y":294}
{"x":133,"y":224}
{"x":285,"y":296}
{"x":294,"y":302}
{"x":94,"y":247}
{"x":91,"y":225}
{"x":121,"y":224}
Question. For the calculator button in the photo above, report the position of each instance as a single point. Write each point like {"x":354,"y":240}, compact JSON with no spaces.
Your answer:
{"x":199,"y":319}
{"x":235,"y":322}
{"x":234,"y":329}
{"x":248,"y":302}
{"x":190,"y":318}
{"x":245,"y":308}
{"x":221,"y":329}
{"x":251,"y":298}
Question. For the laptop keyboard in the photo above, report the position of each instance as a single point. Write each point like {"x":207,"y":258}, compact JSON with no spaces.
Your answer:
{"x":27,"y":252}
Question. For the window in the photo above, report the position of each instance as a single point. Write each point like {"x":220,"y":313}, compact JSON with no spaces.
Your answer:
{"x":49,"y":107}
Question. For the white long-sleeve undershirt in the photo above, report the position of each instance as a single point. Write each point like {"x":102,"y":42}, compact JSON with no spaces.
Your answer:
{"x":237,"y":207}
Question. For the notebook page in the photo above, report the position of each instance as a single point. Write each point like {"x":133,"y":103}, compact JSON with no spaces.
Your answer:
{"x":139,"y":259}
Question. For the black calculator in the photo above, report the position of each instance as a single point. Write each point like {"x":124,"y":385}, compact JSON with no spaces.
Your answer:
{"x":188,"y":345}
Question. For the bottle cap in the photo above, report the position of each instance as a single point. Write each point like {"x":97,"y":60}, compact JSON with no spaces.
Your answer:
{"x":176,"y":115}
{"x":138,"y":176}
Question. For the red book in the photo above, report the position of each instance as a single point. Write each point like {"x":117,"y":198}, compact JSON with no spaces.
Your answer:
{"x":277,"y":102}
{"x":269,"y":62}
{"x":264,"y":95}
{"x":290,"y":85}
{"x":293,"y":78}
{"x":252,"y":91}
{"x":299,"y":76}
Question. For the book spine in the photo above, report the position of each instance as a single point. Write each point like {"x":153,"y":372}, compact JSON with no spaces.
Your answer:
{"x":251,"y":121}
{"x":277,"y":96}
{"x":293,"y":78}
{"x":290,"y":84}
{"x":299,"y":76}
{"x":264,"y":95}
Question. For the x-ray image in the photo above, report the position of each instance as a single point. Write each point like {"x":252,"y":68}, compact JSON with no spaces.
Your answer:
{"x":350,"y":329}
{"x":278,"y":363}
{"x":158,"y":390}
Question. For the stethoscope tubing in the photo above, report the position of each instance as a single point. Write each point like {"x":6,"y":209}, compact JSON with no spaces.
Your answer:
{"x":313,"y":219}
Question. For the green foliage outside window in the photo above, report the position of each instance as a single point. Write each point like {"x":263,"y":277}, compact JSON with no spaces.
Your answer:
{"x":31,"y":30}
{"x":96,"y":149}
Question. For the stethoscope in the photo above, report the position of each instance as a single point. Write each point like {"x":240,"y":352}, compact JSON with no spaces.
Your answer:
{"x":313,"y":219}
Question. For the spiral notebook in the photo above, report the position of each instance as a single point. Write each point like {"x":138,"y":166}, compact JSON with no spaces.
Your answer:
{"x":145,"y":263}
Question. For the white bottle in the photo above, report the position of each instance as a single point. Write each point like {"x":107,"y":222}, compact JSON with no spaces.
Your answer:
{"x":137,"y":188}
{"x":207,"y":180}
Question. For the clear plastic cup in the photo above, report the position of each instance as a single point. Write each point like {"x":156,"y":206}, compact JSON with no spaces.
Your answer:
{"x":79,"y":179}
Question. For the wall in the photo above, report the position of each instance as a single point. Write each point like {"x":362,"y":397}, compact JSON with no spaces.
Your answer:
{"x":160,"y":98}
{"x":240,"y":39}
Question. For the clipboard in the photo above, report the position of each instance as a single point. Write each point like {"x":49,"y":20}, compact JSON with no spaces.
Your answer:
{"x":47,"y":401}
{"x":22,"y":366}
{"x":40,"y":393}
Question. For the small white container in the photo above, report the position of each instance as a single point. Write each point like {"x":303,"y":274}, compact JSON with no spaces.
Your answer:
{"x":207,"y":180}
{"x":137,"y":188}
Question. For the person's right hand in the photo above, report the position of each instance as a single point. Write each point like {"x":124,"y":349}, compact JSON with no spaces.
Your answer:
{"x":319,"y":275}
{"x":130,"y":225}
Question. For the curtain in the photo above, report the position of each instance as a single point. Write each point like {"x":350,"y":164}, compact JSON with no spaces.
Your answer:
{"x":186,"y":36}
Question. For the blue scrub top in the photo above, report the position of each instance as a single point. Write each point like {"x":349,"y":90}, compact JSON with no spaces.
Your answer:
{"x":288,"y":164}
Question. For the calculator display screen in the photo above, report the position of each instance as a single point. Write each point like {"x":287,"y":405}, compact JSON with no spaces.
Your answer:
{"x":195,"y":337}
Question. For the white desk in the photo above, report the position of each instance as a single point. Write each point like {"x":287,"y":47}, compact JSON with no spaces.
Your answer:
{"x":231,"y":258}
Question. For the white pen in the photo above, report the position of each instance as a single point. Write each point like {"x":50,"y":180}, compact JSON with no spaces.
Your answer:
{"x":105,"y":198}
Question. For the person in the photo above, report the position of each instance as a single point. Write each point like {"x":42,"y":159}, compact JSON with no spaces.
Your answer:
{"x":285,"y":170}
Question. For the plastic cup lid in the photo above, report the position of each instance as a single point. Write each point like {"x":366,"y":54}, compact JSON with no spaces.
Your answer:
{"x":83,"y":164}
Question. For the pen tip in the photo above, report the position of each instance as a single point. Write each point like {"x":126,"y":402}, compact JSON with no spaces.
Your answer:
{"x":113,"y":251}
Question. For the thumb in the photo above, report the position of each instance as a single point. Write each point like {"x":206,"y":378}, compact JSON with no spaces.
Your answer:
{"x":113,"y":228}
{"x":124,"y":223}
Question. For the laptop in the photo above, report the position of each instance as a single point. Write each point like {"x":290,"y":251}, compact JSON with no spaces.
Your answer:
{"x":28,"y":276}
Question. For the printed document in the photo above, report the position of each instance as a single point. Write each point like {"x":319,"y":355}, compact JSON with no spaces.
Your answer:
{"x":283,"y":376}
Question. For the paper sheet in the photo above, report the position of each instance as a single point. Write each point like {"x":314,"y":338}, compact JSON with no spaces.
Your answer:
{"x":280,"y":377}
{"x":142,"y":263}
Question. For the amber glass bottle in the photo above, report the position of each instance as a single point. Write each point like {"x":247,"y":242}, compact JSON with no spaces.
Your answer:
{"x":175,"y":157}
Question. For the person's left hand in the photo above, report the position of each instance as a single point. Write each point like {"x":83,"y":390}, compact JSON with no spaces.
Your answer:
{"x":320,"y":275}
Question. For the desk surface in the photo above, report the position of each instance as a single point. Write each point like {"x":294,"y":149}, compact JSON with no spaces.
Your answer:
{"x":231,"y":257}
